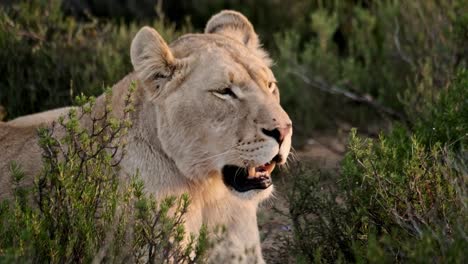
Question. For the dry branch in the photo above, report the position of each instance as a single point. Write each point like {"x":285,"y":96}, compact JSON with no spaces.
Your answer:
{"x":358,"y":98}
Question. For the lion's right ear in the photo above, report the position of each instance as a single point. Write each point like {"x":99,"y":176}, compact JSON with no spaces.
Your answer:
{"x":151,"y":57}
{"x":235,"y":25}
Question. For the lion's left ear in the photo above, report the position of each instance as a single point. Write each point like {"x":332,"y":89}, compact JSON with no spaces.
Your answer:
{"x":235,"y":25}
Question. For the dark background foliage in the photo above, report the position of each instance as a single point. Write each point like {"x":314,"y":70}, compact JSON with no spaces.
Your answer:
{"x":396,"y":70}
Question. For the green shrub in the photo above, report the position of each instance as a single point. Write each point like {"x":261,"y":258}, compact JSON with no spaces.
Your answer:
{"x":80,"y":211}
{"x":447,"y":120}
{"x":400,"y":191}
{"x":319,"y":223}
{"x":399,"y":198}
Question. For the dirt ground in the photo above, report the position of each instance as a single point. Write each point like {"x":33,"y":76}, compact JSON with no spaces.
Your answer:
{"x":325,"y":151}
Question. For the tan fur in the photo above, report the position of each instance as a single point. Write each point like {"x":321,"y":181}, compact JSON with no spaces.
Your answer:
{"x":184,"y":132}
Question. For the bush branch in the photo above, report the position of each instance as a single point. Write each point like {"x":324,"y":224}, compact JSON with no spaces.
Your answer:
{"x":358,"y":98}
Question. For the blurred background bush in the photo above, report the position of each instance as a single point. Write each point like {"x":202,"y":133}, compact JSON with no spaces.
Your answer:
{"x":385,"y":65}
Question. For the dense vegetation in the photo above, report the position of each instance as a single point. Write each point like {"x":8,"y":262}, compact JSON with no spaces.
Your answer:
{"x":399,"y":197}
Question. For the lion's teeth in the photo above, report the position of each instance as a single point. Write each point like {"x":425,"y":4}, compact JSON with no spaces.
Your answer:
{"x":270,"y":167}
{"x":251,"y":171}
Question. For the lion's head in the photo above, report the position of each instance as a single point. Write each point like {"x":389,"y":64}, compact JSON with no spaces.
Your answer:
{"x":216,"y":103}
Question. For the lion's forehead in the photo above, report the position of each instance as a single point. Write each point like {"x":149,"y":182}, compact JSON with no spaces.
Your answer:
{"x":220,"y":63}
{"x":226,"y":54}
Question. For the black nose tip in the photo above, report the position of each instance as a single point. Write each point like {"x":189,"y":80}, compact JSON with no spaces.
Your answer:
{"x":278,"y":133}
{"x":275,"y":133}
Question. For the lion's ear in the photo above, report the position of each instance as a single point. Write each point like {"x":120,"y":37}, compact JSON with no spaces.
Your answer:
{"x":235,"y":25}
{"x":151,"y":57}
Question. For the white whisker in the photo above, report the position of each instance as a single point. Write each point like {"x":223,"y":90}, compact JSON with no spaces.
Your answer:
{"x":235,"y":174}
{"x":214,"y":156}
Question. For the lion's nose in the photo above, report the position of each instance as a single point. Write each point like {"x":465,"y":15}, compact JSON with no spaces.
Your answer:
{"x":278,"y":133}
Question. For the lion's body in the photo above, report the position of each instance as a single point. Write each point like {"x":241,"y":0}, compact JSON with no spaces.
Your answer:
{"x":183,"y":133}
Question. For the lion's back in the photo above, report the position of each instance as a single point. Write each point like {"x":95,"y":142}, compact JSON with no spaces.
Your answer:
{"x":39,"y":118}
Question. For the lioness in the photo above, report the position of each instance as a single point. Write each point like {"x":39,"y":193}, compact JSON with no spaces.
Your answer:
{"x":207,"y":122}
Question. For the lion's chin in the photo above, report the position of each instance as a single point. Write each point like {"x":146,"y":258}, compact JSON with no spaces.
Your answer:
{"x":249,"y":181}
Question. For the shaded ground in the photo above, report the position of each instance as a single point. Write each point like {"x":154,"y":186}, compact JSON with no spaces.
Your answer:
{"x":325,"y":151}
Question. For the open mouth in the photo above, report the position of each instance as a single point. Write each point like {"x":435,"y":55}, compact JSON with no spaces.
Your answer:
{"x":244,"y":179}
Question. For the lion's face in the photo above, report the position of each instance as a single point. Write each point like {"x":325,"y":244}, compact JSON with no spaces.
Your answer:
{"x":217,"y":103}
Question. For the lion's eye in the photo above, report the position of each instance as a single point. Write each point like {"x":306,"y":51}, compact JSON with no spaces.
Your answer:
{"x":271,"y":85}
{"x":225,"y":92}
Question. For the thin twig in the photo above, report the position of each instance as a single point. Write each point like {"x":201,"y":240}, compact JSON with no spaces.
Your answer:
{"x":396,"y":40}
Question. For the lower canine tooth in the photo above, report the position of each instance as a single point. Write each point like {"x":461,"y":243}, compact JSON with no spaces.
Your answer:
{"x":251,"y":171}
